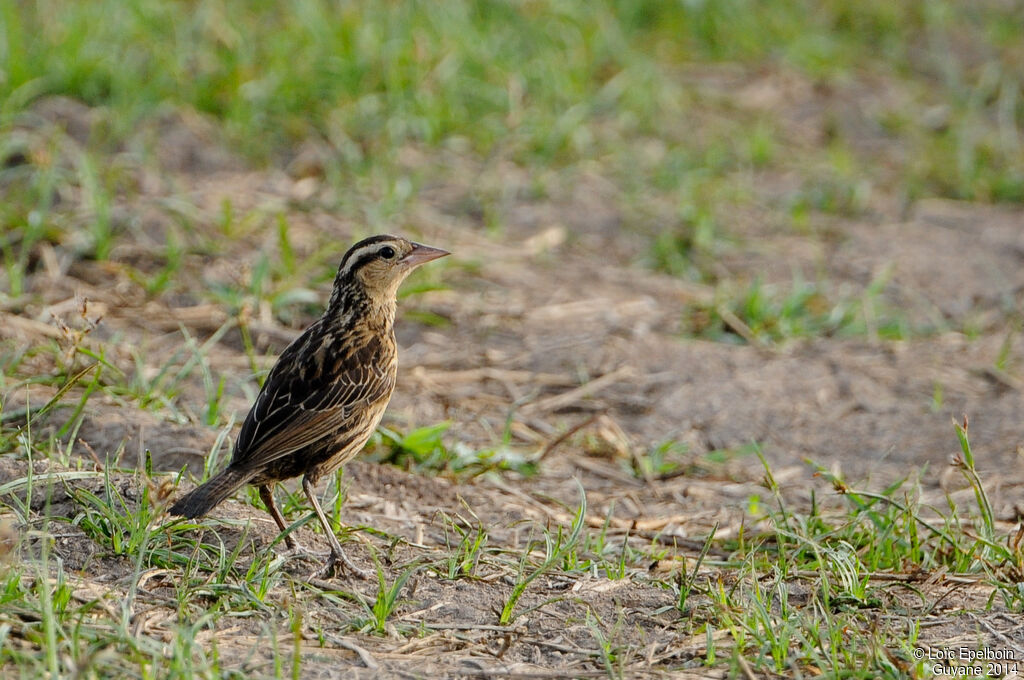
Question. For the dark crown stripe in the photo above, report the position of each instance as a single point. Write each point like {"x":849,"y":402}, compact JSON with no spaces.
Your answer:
{"x":361,"y":253}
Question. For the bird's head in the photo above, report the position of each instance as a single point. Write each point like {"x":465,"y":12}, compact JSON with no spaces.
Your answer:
{"x":376,"y":266}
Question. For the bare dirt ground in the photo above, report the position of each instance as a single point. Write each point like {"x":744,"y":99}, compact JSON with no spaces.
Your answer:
{"x":554,"y":326}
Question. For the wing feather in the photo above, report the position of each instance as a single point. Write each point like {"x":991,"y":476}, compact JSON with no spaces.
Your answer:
{"x":308,"y":397}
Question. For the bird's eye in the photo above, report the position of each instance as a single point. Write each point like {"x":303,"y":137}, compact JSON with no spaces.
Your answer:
{"x":387,"y":252}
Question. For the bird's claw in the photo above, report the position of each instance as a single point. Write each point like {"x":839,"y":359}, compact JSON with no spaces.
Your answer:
{"x":300,"y":553}
{"x":338,"y":564}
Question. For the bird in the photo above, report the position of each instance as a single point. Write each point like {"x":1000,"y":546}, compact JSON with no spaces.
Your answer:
{"x":327,"y":392}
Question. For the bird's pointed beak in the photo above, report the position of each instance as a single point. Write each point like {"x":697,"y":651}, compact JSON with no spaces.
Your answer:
{"x":421,"y":254}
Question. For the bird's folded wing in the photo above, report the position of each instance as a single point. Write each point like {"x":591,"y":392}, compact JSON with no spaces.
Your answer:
{"x":290,"y":414}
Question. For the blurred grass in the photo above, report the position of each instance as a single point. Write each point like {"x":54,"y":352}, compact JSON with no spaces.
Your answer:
{"x":706,"y":117}
{"x":546,"y":82}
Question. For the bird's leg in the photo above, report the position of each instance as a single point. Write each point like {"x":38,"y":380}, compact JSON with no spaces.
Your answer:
{"x":337,"y":554}
{"x":267,"y":496}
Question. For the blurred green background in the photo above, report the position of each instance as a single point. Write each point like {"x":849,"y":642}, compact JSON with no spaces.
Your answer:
{"x":707,"y":120}
{"x":550,"y":83}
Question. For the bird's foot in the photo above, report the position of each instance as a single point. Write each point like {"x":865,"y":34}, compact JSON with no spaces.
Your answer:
{"x":299,"y":552}
{"x":337,"y":564}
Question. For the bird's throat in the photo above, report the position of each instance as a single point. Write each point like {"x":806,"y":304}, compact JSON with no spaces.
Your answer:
{"x":351,"y":307}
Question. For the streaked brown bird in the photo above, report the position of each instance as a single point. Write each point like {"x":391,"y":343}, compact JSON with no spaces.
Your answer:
{"x":328,"y":390}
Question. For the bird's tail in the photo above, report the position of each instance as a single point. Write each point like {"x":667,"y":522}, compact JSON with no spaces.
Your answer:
{"x":202,"y":499}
